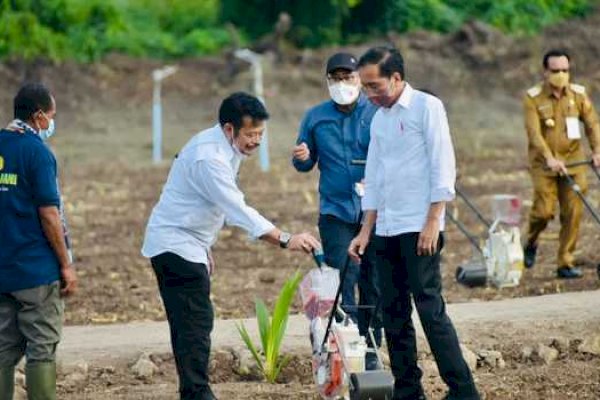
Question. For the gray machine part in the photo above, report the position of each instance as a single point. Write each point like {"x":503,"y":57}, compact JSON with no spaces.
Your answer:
{"x":372,"y":385}
{"x":471,"y":275}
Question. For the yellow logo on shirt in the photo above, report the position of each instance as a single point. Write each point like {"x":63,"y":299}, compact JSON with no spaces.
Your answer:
{"x":7,"y":179}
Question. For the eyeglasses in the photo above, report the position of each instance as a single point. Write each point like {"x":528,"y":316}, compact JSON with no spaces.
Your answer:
{"x":255,"y":136}
{"x":377,"y":88}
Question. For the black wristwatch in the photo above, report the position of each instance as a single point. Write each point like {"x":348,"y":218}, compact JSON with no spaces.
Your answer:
{"x":284,"y":239}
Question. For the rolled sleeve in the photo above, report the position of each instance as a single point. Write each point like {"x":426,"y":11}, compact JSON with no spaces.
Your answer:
{"x":216,"y":180}
{"x":369,"y":200}
{"x":440,"y":151}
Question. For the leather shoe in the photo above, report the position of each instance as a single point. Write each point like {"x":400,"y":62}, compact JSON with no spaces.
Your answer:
{"x":529,"y":253}
{"x":569,"y":272}
{"x":450,"y":396}
{"x":419,"y":395}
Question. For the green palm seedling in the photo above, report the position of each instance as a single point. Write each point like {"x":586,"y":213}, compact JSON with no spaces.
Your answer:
{"x":272,"y":330}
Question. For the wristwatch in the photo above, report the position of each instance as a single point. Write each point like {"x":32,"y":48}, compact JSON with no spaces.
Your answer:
{"x":284,"y":239}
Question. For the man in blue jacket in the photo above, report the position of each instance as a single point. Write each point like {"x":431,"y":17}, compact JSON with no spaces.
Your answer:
{"x":35,"y":270}
{"x":335,"y":136}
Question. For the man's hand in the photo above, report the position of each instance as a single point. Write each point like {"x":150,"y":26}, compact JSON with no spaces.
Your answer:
{"x":301,"y":152}
{"x":303,"y":242}
{"x":596,"y":160}
{"x":68,"y":281}
{"x":556,"y":166}
{"x":428,"y":238}
{"x":357,"y":247}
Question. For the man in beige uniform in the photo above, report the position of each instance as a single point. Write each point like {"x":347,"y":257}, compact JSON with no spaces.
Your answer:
{"x":553,"y":111}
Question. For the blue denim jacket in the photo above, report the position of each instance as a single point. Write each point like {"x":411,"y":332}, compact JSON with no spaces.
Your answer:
{"x":335,"y":139}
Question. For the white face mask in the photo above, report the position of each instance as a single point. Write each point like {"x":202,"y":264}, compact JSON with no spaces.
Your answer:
{"x":46,"y":133}
{"x":235,"y":147}
{"x":237,"y":151}
{"x":343,"y":94}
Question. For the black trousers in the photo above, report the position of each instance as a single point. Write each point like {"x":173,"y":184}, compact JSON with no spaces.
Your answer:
{"x":403,"y":273}
{"x":185,"y":290}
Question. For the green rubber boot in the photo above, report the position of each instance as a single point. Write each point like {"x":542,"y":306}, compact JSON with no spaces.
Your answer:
{"x":7,"y":383}
{"x":40,"y":379}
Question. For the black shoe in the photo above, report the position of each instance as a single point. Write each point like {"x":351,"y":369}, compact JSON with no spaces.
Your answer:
{"x":419,"y":395}
{"x":569,"y":273}
{"x":371,"y":362}
{"x":415,"y":397}
{"x":529,"y":253}
{"x":451,"y":396}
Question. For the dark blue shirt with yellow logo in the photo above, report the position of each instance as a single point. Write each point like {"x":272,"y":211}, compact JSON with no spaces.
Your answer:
{"x":28,"y":174}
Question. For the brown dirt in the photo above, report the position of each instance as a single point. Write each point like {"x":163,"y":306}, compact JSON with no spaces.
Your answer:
{"x":103,"y":146}
{"x":572,"y":375}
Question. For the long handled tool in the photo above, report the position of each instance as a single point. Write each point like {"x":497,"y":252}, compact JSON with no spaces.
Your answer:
{"x":473,"y":207}
{"x":339,"y":361}
{"x":473,"y":273}
{"x":575,"y":187}
{"x":499,"y":260}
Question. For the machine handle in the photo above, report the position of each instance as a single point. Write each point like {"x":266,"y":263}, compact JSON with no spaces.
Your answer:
{"x":318,"y":256}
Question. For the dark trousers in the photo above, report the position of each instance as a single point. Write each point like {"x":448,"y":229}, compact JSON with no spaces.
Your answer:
{"x":336,"y":236}
{"x":403,"y":273}
{"x":185,"y":290}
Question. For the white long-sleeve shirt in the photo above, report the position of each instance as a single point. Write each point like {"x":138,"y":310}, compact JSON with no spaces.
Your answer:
{"x":410,"y":163}
{"x":200,"y":194}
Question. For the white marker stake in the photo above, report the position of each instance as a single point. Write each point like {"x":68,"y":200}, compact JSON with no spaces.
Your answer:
{"x":254,"y":60}
{"x":157,"y":76}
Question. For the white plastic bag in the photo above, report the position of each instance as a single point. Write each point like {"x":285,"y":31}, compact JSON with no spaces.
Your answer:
{"x":318,"y":289}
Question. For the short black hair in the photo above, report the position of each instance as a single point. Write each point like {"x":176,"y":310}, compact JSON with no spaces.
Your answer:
{"x":31,"y":98}
{"x":239,"y":105}
{"x":555,"y":53}
{"x":387,"y":58}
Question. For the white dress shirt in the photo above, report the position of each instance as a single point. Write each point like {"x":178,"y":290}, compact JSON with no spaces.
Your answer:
{"x":410,"y":163}
{"x":200,"y":194}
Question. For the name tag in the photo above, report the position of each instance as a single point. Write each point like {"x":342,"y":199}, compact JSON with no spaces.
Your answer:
{"x":573,"y":131}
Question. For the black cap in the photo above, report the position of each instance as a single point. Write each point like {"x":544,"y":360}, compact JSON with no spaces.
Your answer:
{"x":343,"y":61}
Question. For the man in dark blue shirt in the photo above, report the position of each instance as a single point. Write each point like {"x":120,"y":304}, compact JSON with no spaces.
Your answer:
{"x":335,"y":136}
{"x":34,"y":265}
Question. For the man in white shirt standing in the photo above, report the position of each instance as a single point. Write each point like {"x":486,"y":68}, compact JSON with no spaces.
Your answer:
{"x":200,"y":194}
{"x":409,"y":177}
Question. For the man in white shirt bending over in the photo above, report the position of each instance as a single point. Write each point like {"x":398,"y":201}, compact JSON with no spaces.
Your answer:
{"x":409,"y":177}
{"x":200,"y":194}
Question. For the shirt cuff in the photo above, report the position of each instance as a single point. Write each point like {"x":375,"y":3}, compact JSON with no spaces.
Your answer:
{"x":368,"y":203}
{"x":261,"y":229}
{"x":442,"y":194}
{"x":48,"y":203}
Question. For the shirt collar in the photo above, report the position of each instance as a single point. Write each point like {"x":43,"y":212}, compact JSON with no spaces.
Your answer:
{"x":405,"y":98}
{"x":25,"y":126}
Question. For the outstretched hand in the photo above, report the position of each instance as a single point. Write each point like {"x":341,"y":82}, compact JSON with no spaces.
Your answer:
{"x":304,"y":242}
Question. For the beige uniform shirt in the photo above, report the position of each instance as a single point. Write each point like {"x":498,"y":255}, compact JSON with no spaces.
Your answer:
{"x":546,"y":120}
